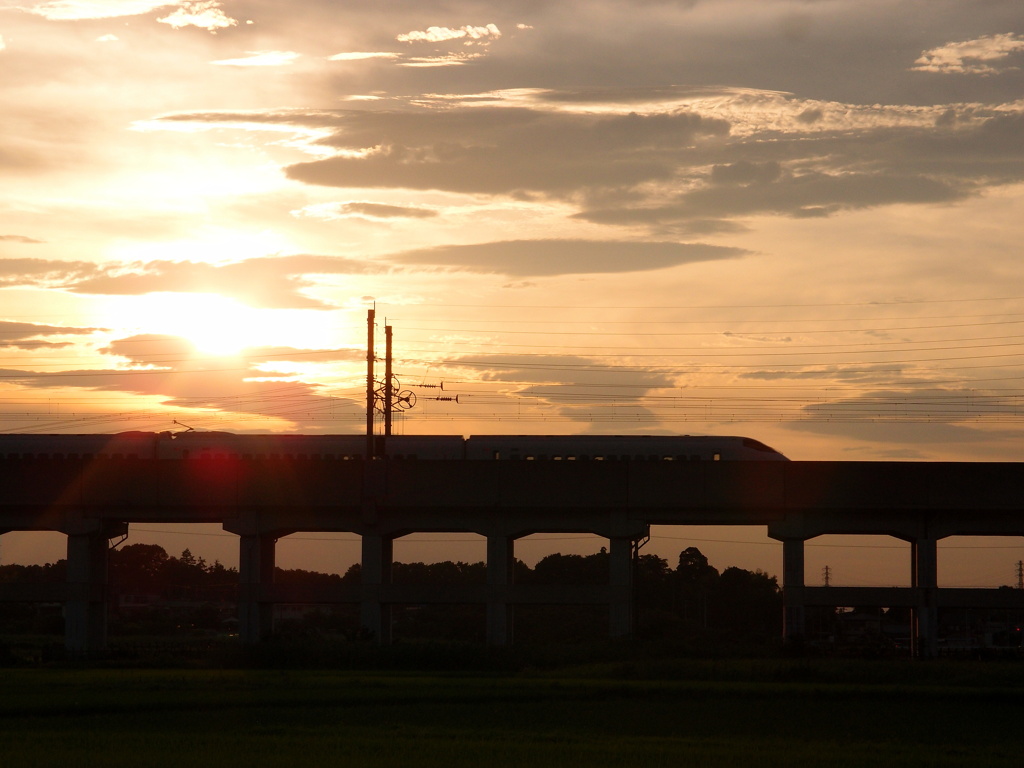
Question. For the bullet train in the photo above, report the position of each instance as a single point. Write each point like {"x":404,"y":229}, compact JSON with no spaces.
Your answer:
{"x":200,"y":445}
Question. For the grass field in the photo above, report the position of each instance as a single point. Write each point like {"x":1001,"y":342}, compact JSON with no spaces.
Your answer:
{"x":726,"y":713}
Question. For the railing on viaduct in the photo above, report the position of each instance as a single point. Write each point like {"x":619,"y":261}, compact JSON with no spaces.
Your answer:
{"x":93,"y":501}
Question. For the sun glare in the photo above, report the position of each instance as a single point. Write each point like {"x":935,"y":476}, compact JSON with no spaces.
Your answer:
{"x":221,"y":327}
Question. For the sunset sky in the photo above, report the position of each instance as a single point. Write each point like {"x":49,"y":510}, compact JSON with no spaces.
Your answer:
{"x":797,"y":220}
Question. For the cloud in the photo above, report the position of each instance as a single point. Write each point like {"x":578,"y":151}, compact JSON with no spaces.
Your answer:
{"x":363,"y":210}
{"x":271,"y":282}
{"x":674,"y":172}
{"x":168,"y":367}
{"x":567,"y":382}
{"x":502,"y":150}
{"x":442,"y":34}
{"x":19,"y":239}
{"x":521,"y":258}
{"x":363,"y":55}
{"x":971,"y":57}
{"x":15,"y":335}
{"x":41,"y":273}
{"x":3,"y":45}
{"x":261,"y":59}
{"x":455,"y":59}
{"x":163,"y":350}
{"x":72,"y":10}
{"x":205,"y":14}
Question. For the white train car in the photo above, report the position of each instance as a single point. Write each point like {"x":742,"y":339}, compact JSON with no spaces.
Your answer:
{"x":124,"y":445}
{"x":619,"y":448}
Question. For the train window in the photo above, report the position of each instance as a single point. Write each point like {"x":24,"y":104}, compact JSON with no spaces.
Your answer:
{"x":718,"y":457}
{"x":570,"y":458}
{"x":666,"y":458}
{"x":557,"y":458}
{"x":529,"y":458}
{"x":497,"y":455}
{"x":599,"y":458}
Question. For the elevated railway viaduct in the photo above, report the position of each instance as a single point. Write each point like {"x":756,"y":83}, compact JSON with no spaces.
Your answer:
{"x":261,"y":500}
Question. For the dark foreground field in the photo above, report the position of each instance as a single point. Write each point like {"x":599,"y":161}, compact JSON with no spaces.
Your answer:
{"x":727,"y":713}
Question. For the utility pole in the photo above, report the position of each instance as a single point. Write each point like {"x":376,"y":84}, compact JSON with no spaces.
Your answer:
{"x":370,"y":313}
{"x":826,"y":573}
{"x":389,"y":391}
{"x":1020,"y":574}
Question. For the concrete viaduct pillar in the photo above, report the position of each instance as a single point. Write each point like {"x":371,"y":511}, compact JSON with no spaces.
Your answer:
{"x":924,"y":579}
{"x":85,"y":609}
{"x":620,"y":586}
{"x":500,"y":570}
{"x":255,"y":568}
{"x":376,"y":568}
{"x":793,"y":612}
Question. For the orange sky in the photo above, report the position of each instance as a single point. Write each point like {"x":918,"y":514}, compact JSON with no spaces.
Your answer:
{"x":794,"y":220}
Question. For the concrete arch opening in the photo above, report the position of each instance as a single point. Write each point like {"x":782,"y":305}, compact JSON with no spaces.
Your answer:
{"x":316,"y":579}
{"x":969,"y":568}
{"x":438,"y":580}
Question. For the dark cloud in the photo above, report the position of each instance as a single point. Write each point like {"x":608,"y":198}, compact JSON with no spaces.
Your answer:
{"x":523,"y":258}
{"x":821,"y":174}
{"x":567,"y":383}
{"x":9,"y":329}
{"x":663,"y":171}
{"x":40,"y":272}
{"x":503,"y":150}
{"x":746,"y":172}
{"x":19,"y":239}
{"x":27,"y":335}
{"x":379,"y":211}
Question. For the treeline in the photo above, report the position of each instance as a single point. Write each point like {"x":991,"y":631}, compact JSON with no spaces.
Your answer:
{"x":153,"y":592}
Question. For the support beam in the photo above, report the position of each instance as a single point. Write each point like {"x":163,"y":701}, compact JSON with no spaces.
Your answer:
{"x":255,"y":570}
{"x":793,"y":612}
{"x":500,"y":569}
{"x":924,"y":578}
{"x":85,"y":610}
{"x":620,"y":587}
{"x":378,"y":557}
